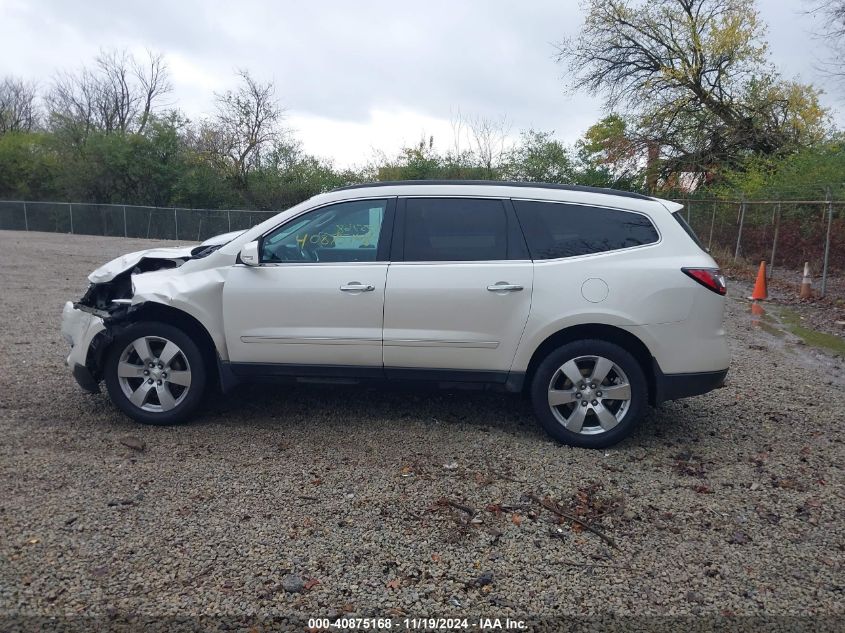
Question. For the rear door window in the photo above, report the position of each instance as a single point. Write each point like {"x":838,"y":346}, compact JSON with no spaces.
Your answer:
{"x":455,"y":229}
{"x":554,"y":230}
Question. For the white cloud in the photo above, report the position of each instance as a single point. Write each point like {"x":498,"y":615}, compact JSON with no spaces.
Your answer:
{"x":354,"y":76}
{"x":356,"y":142}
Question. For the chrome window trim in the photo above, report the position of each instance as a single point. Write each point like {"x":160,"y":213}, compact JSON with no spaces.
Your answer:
{"x":340,"y":264}
{"x":462,"y":261}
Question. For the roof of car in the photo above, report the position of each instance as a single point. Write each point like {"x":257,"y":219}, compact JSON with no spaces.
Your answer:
{"x":500,"y":183}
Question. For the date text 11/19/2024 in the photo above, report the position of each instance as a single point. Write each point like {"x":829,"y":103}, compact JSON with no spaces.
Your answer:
{"x":428,"y":624}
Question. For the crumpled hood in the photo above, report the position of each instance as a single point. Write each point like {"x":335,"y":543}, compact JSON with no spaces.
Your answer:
{"x":109,"y":271}
{"x":112,"y":269}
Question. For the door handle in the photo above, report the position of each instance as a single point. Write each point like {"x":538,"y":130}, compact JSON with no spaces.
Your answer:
{"x":503,"y":286}
{"x":357,"y":286}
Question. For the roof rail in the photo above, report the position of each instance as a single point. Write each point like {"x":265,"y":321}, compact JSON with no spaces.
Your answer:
{"x":501,"y":183}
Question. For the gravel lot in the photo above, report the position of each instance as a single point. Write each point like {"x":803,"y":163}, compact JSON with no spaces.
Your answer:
{"x":315,"y":501}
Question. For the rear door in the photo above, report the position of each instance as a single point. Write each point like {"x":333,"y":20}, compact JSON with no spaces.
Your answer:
{"x":458,"y":289}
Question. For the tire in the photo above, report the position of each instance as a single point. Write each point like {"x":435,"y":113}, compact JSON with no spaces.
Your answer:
{"x":602,"y":421}
{"x":167,"y":392}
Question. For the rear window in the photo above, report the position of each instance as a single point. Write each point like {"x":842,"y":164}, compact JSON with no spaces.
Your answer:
{"x":554,"y":230}
{"x":684,"y":225}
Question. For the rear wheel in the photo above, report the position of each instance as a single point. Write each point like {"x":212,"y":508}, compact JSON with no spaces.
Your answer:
{"x":589,"y":393}
{"x":155,"y":373}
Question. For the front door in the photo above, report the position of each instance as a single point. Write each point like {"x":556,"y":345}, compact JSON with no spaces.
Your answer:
{"x":317,"y":297}
{"x":459,"y":298}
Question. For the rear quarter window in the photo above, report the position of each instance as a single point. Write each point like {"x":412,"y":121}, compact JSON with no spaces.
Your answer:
{"x":554,"y":230}
{"x":685,"y":225}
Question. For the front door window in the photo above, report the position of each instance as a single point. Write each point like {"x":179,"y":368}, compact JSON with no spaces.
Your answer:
{"x":343,"y":232}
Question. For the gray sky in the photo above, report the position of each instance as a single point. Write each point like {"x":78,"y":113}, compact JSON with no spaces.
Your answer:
{"x":356,"y":77}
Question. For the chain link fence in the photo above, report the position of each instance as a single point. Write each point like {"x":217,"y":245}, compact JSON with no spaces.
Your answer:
{"x":124,"y":220}
{"x":784,"y":233}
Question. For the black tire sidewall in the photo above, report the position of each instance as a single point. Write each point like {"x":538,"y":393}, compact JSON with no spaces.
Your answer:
{"x":589,"y":347}
{"x":195,"y":359}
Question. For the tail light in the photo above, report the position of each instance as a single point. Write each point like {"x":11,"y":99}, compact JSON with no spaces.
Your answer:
{"x":710,"y":278}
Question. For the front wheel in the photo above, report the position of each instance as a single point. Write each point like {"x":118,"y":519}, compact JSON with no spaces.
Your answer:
{"x":155,"y":373}
{"x":589,"y":393}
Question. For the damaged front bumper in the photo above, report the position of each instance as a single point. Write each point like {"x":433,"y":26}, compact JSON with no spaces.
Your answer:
{"x":80,"y":328}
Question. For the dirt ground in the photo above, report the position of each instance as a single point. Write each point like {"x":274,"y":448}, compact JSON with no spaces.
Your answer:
{"x":280,"y":504}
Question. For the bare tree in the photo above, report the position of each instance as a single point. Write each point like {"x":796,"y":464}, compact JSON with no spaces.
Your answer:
{"x":18,"y":109}
{"x":247,"y":123}
{"x":458,"y":124}
{"x":71,"y":102}
{"x":118,"y":94}
{"x":154,"y":82}
{"x":488,"y":140}
{"x":831,"y":15}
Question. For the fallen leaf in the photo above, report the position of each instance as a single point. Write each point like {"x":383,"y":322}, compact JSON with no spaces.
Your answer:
{"x":394,"y":584}
{"x":483,"y":480}
{"x":516,"y":519}
{"x":313,"y":582}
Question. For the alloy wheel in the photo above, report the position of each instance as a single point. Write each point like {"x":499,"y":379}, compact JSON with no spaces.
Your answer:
{"x":589,"y":395}
{"x":154,"y":374}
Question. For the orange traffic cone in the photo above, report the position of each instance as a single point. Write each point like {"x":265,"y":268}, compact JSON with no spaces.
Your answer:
{"x":760,"y":292}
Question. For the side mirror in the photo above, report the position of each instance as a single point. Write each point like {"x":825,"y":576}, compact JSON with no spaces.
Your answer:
{"x":249,"y":254}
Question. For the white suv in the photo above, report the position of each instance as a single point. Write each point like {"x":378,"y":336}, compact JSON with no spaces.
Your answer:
{"x":592,"y":301}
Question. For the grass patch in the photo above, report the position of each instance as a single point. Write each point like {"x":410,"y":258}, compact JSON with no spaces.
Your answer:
{"x":771,"y":329}
{"x":814,"y":338}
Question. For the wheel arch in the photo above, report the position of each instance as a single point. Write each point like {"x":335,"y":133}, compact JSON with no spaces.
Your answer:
{"x":152,"y":311}
{"x":601,"y":331}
